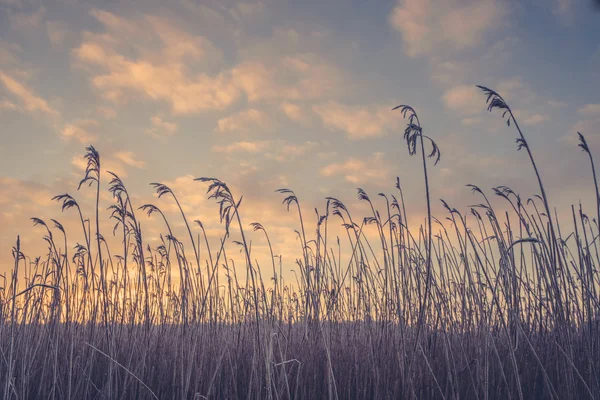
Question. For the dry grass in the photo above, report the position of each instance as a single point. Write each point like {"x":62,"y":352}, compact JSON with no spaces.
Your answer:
{"x":489,"y":305}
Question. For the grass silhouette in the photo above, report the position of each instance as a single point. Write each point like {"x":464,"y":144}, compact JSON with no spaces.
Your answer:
{"x":492,"y":304}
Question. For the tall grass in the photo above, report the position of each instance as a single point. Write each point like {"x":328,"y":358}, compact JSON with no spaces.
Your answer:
{"x":495,"y":303}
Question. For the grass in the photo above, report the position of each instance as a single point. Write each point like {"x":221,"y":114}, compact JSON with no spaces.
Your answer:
{"x":491,"y":304}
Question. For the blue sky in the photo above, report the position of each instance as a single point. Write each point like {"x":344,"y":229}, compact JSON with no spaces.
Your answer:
{"x":276,"y":94}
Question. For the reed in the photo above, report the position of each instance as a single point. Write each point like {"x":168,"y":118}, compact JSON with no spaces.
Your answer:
{"x":496,"y":302}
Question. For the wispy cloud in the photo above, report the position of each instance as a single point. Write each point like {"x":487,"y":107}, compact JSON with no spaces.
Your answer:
{"x":81,"y":130}
{"x":159,"y":72}
{"x":289,"y":151}
{"x":242,"y":147}
{"x":116,"y":163}
{"x":590,"y":109}
{"x":161,"y":127}
{"x":245,"y":120}
{"x":293,"y":111}
{"x":358,"y":171}
{"x":356,"y":121}
{"x":57,"y":31}
{"x":23,"y":194}
{"x":464,"y":99}
{"x":30,"y":101}
{"x":8,"y":105}
{"x":26,"y":21}
{"x":129,"y":158}
{"x":303,"y":76}
{"x":151,"y":55}
{"x":431,"y":27}
{"x":279,"y":150}
{"x":535,"y":119}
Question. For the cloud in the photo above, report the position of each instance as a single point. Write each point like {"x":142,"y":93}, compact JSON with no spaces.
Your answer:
{"x":243,"y":121}
{"x":450,"y":72}
{"x":590,"y":128}
{"x":562,"y":6}
{"x":429,"y":27}
{"x":279,"y":150}
{"x":19,"y":201}
{"x":356,"y":121}
{"x":27,"y":21}
{"x":590,"y":109}
{"x":471,"y":121}
{"x":359,"y":171}
{"x":168,"y":82}
{"x":557,"y":104}
{"x":107,"y":164}
{"x":106,"y":112}
{"x":80,"y":130}
{"x":293,"y":111}
{"x":514,"y":90}
{"x":247,"y":11}
{"x":15,"y":193}
{"x":535,"y":119}
{"x":242,"y":147}
{"x":464,"y":99}
{"x":116,"y":163}
{"x":8,"y":105}
{"x":303,"y":76}
{"x":56,"y":31}
{"x":527,"y":106}
{"x":35,"y":22}
{"x":564,"y":10}
{"x":288,"y":152}
{"x":191,"y":198}
{"x":29,"y":99}
{"x":8,"y":53}
{"x":146,"y":30}
{"x":126,"y":58}
{"x":129,"y":158}
{"x":155,"y":57}
{"x":161,"y":127}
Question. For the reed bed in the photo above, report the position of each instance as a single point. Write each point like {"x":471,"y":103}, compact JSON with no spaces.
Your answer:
{"x":495,"y":303}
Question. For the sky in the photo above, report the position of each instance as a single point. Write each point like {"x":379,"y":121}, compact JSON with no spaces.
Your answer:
{"x":288,"y":94}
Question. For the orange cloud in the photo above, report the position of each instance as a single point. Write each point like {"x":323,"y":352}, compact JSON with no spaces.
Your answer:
{"x":129,"y":158}
{"x":590,"y":109}
{"x":356,"y":121}
{"x":359,"y":171}
{"x":161,"y":127}
{"x":159,"y":72}
{"x":153,"y":56}
{"x":464,"y":99}
{"x":116,"y":163}
{"x":293,"y":111}
{"x":535,"y":119}
{"x":243,"y":121}
{"x":242,"y":147}
{"x":302,"y":76}
{"x":80,"y":130}
{"x":279,"y":150}
{"x":29,"y":99}
{"x":430,"y":27}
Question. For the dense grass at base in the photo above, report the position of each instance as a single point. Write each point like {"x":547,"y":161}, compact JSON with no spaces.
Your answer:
{"x":221,"y":361}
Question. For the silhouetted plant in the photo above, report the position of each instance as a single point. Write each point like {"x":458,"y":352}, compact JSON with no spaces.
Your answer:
{"x":413,"y":134}
{"x":353,"y":323}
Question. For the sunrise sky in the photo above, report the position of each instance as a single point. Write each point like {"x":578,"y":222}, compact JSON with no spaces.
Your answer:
{"x":297,"y":94}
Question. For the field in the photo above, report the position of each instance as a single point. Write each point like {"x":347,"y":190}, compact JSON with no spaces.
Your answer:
{"x":495,"y":304}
